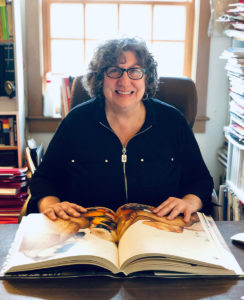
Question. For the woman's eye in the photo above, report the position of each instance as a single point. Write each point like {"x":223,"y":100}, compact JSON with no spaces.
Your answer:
{"x":113,"y":70}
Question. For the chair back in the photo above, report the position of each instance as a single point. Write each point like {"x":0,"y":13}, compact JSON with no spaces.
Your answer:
{"x":177,"y":91}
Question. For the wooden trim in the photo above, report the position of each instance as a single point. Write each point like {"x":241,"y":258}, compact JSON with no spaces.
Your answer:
{"x":46,"y":35}
{"x":124,"y":1}
{"x":2,"y":148}
{"x":203,"y":59}
{"x":189,"y":40}
{"x":34,"y":57}
{"x":43,"y":124}
{"x":199,"y":125}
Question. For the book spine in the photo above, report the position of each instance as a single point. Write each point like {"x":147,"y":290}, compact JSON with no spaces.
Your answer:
{"x":68,"y":91}
{"x":4,"y":20}
{"x":9,"y":64}
{"x":11,"y":131}
{"x":6,"y":132}
{"x":10,"y":19}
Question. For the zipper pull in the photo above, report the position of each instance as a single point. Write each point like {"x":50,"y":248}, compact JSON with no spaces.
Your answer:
{"x":124,"y":156}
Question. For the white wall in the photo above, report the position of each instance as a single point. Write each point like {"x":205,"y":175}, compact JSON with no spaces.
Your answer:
{"x":217,"y":108}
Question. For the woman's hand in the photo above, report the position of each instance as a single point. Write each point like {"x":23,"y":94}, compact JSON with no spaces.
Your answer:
{"x":172,"y":207}
{"x":53,"y":208}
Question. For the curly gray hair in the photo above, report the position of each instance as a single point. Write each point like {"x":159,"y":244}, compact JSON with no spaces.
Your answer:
{"x":109,"y":53}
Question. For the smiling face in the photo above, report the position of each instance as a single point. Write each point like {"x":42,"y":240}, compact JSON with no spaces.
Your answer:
{"x":124,"y":93}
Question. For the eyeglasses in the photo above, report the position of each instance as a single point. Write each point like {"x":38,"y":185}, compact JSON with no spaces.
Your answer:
{"x":117,"y":72}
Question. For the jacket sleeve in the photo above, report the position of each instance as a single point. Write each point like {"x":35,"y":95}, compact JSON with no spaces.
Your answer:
{"x":196,"y":178}
{"x":49,"y":178}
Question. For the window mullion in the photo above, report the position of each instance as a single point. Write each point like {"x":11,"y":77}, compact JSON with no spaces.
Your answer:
{"x":84,"y":31}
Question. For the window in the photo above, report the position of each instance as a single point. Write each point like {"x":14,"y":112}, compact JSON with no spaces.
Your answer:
{"x":76,"y":27}
{"x":161,"y":34}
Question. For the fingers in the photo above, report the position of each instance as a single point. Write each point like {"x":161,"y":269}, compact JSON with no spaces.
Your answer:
{"x":64,"y":210}
{"x":172,"y":207}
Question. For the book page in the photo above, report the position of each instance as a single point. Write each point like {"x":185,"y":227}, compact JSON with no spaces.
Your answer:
{"x":224,"y":251}
{"x":186,"y":242}
{"x":41,"y":243}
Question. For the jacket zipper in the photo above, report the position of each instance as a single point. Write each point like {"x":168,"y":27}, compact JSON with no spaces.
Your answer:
{"x":124,"y":156}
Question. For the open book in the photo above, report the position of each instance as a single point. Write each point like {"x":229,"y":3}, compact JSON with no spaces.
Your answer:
{"x":131,"y":241}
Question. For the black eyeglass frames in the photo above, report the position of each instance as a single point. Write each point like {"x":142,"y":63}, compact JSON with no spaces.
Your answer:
{"x":135,"y":73}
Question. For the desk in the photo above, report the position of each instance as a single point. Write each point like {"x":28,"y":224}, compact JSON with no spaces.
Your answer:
{"x":138,"y":288}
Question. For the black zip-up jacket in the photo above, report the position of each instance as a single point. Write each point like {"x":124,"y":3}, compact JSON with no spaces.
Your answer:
{"x":86,"y":163}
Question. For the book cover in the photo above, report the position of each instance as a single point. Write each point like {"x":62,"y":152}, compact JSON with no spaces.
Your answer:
{"x":9,"y":191}
{"x":10,"y":19}
{"x":124,"y":243}
{"x":12,"y":171}
{"x":4,"y":19}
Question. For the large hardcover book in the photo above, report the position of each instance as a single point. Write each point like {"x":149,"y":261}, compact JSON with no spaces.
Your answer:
{"x":131,"y":242}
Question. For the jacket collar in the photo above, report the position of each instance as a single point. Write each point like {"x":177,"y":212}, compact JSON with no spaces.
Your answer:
{"x":100,"y":115}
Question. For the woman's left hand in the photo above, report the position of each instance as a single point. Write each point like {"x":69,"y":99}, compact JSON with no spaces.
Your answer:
{"x":173,"y":206}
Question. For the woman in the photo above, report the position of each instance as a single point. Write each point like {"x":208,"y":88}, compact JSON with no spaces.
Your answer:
{"x":122,"y":145}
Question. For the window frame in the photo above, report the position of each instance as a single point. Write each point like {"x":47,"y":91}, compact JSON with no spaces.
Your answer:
{"x":37,"y":65}
{"x":188,"y":44}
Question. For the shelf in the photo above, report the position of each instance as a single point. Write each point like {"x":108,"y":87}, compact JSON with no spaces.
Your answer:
{"x":8,"y":113}
{"x":8,"y":148}
{"x":238,"y":192}
{"x":235,"y":143}
{"x":2,"y":42}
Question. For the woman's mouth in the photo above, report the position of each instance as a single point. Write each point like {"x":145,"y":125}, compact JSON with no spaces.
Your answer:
{"x":124,"y":92}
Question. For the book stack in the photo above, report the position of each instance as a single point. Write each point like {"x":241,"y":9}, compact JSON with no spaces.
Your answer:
{"x":13,"y":193}
{"x":231,"y":194}
{"x":234,"y":16}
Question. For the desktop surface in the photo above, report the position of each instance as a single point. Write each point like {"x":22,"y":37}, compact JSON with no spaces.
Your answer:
{"x":125,"y":288}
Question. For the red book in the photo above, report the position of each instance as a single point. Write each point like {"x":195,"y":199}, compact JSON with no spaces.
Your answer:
{"x":10,"y":185}
{"x":10,"y":191}
{"x":13,"y":178}
{"x":9,"y":220}
{"x":12,"y":171}
{"x":20,"y":195}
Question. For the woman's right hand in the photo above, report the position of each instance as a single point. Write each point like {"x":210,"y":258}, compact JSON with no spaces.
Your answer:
{"x":53,"y":208}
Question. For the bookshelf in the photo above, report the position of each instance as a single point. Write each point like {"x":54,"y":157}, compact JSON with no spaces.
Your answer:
{"x":12,"y":108}
{"x":232,"y":191}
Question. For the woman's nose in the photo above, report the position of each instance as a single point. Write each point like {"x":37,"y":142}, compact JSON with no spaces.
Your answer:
{"x":124,"y":77}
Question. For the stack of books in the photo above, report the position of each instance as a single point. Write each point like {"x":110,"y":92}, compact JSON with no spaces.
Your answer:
{"x":13,"y":193}
{"x":235,"y":73}
{"x":235,"y":17}
{"x":231,"y":195}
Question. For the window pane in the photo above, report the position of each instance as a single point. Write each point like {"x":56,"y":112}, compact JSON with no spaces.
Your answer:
{"x":101,"y":21}
{"x":169,"y":22}
{"x":67,"y":21}
{"x":135,"y":20}
{"x":67,"y":57}
{"x":170,"y":58}
{"x":90,"y":47}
